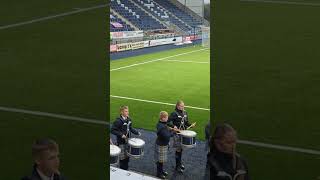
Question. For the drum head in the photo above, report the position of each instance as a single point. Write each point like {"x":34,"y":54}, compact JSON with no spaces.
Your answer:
{"x":136,"y":142}
{"x":114,"y":150}
{"x":188,"y":133}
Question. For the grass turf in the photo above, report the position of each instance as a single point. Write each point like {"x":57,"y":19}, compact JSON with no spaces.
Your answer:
{"x":164,"y":81}
{"x":56,"y":66}
{"x":266,"y":83}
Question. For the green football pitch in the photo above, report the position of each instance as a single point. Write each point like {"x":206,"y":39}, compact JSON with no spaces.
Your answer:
{"x":266,"y":83}
{"x":57,"y":66}
{"x":154,"y":82}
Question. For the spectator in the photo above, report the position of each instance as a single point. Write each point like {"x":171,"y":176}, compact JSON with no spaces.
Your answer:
{"x":224,"y":162}
{"x":45,"y":153}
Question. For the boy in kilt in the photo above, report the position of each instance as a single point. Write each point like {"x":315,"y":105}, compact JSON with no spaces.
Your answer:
{"x":162,"y":143}
{"x":179,"y":119}
{"x":122,"y":128}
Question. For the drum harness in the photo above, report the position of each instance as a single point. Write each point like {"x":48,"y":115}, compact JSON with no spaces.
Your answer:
{"x":182,"y":127}
{"x":128,"y":134}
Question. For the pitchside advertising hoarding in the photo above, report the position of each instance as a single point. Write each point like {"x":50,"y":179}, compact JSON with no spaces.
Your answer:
{"x":126,"y":34}
{"x":151,"y":43}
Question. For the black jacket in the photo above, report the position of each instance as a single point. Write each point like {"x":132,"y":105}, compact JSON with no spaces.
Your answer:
{"x":163,"y":134}
{"x":208,"y":131}
{"x":35,"y":176}
{"x":222,"y":162}
{"x":178,"y":117}
{"x":122,"y":127}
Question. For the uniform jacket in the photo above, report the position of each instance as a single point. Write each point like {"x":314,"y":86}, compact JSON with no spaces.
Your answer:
{"x":179,"y":118}
{"x":122,"y":127}
{"x":163,"y":134}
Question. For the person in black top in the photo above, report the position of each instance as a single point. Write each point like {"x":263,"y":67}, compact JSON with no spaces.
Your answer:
{"x":179,"y":119}
{"x":122,"y":129}
{"x":162,"y":143}
{"x":45,"y":153}
{"x":224,"y":162}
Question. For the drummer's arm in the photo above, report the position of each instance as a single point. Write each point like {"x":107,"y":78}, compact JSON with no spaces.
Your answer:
{"x":170,"y":121}
{"x":134,"y":131}
{"x":165,"y":133}
{"x":187,"y":123}
{"x":115,"y":129}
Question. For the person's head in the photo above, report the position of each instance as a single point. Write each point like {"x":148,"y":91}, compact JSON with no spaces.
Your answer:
{"x":180,"y":105}
{"x":224,"y":138}
{"x":163,"y":116}
{"x":124,"y":111}
{"x":45,"y":153}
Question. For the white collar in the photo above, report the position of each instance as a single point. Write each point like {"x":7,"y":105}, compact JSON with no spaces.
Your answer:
{"x":43,"y":176}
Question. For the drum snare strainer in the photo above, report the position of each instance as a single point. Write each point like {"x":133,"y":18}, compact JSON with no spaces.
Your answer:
{"x":135,"y":147}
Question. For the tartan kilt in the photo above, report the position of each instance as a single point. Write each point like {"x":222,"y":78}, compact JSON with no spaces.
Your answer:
{"x":161,"y":153}
{"x":177,"y":141}
{"x":123,"y":154}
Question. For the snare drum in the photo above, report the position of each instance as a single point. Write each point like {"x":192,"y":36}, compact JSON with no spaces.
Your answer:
{"x":135,"y":147}
{"x":188,"y":138}
{"x":114,"y":154}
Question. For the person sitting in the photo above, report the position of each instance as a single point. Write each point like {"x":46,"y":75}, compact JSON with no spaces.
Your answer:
{"x":45,"y":153}
{"x":224,"y":162}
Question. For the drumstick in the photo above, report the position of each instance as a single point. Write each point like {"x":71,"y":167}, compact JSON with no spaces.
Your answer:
{"x":177,"y":130}
{"x":192,"y":125}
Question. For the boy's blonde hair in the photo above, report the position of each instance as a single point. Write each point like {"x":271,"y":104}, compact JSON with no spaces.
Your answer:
{"x":163,"y":114}
{"x":123,"y":108}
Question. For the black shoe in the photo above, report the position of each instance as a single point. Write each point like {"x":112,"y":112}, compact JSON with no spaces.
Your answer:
{"x":165,"y":173}
{"x":161,"y":176}
{"x":179,"y":169}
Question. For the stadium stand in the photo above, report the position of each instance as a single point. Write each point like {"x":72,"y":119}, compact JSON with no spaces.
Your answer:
{"x":179,"y":17}
{"x":135,"y":15}
{"x":154,"y":14}
{"x":116,"y":24}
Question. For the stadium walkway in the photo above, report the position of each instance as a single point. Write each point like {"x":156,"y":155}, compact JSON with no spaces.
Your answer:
{"x":194,"y":160}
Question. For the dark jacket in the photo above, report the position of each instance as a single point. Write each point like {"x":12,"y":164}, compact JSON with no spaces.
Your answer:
{"x":208,"y":131}
{"x":35,"y":176}
{"x":221,"y":163}
{"x":122,"y":127}
{"x":163,"y":134}
{"x":179,"y":119}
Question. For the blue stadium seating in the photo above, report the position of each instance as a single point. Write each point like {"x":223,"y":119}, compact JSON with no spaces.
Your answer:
{"x":183,"y":15}
{"x":160,"y":9}
{"x":114,"y":18}
{"x":135,"y":15}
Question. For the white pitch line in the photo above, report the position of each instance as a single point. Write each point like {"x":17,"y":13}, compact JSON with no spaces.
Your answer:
{"x":199,"y":62}
{"x":94,"y":121}
{"x":53,"y":16}
{"x":283,"y":2}
{"x":160,"y":59}
{"x":59,"y":116}
{"x":280,"y":147}
{"x":156,"y":102}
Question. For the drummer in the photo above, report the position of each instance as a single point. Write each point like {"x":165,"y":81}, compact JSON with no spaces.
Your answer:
{"x":162,"y":142}
{"x":122,"y":128}
{"x":179,"y":119}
